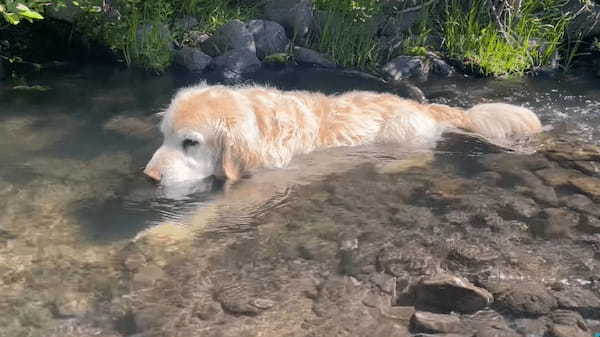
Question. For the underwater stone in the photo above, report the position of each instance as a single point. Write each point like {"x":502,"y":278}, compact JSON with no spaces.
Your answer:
{"x":522,"y":297}
{"x":436,"y":323}
{"x":587,"y":185}
{"x":452,"y":293}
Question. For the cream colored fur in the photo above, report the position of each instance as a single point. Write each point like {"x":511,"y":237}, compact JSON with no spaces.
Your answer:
{"x":227,"y":131}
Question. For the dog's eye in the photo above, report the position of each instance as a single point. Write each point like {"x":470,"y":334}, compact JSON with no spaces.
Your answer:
{"x":189,"y":143}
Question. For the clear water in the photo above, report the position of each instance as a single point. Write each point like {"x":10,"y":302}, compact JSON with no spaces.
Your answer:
{"x":72,"y":156}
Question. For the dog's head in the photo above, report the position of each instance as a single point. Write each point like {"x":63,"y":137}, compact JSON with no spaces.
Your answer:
{"x":207,"y":131}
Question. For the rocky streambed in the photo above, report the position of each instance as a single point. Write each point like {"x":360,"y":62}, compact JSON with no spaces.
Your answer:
{"x":413,"y":246}
{"x":467,"y":240}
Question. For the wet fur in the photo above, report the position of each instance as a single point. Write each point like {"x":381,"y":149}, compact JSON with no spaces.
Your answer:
{"x":242,"y":128}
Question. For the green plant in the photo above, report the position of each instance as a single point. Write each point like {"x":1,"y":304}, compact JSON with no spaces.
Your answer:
{"x":502,"y":40}
{"x":348,"y":32}
{"x":15,"y":11}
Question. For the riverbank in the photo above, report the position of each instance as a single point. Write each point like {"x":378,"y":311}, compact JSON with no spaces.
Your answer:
{"x":395,"y":40}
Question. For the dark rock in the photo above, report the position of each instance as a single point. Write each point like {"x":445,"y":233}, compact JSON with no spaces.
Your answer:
{"x":406,"y":67}
{"x":559,"y":222}
{"x":193,"y":59}
{"x":583,"y":301}
{"x":310,"y":57}
{"x":440,"y":67}
{"x":234,"y":35}
{"x":2,"y":71}
{"x":435,"y":323}
{"x":451,"y":293}
{"x":522,"y":298}
{"x":295,"y":15}
{"x":405,"y":89}
{"x":269,"y":37}
{"x":235,"y":63}
{"x":588,"y":167}
{"x":586,"y":22}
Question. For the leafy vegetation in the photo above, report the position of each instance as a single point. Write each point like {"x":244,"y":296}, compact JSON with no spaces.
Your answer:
{"x":15,"y":11}
{"x":493,"y":37}
{"x":496,"y":37}
{"x":348,"y":31}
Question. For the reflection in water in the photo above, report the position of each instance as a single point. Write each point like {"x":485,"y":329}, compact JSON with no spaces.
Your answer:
{"x":72,"y":196}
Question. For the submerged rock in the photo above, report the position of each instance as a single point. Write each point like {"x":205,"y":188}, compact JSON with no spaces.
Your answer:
{"x":588,"y":185}
{"x":559,"y":222}
{"x":522,"y":298}
{"x":436,"y":323}
{"x":451,"y":293}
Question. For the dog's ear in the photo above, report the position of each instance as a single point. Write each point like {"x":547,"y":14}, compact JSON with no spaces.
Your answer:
{"x":233,"y":165}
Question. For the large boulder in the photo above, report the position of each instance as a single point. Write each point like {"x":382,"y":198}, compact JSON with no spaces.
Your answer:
{"x":234,"y":35}
{"x":235,"y":63}
{"x":269,"y":37}
{"x":193,"y":59}
{"x":586,"y":22}
{"x":295,"y":15}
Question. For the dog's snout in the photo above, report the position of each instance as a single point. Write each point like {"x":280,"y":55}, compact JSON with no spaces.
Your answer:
{"x":153,"y":174}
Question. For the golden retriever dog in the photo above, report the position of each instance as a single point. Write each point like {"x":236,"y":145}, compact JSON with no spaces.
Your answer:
{"x":223,"y":131}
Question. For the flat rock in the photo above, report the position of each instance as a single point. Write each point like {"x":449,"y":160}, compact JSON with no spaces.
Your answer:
{"x":581,"y":300}
{"x":559,"y":222}
{"x":522,"y":298}
{"x":310,"y":57}
{"x":557,"y":176}
{"x":451,"y":293}
{"x":558,"y":330}
{"x":587,"y":185}
{"x":436,"y":323}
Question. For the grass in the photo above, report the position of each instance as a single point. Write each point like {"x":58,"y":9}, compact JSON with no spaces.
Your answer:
{"x":348,"y":33}
{"x":506,"y":43}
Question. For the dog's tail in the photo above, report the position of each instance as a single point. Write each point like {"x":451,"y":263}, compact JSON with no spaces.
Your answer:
{"x":499,"y":123}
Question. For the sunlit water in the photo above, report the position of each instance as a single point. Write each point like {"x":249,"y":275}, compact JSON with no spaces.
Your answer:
{"x":72,"y":156}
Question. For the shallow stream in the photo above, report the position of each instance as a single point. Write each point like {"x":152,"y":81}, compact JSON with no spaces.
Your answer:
{"x":339,"y":243}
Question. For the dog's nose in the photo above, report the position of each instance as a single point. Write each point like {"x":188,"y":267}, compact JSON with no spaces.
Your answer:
{"x":153,"y":174}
